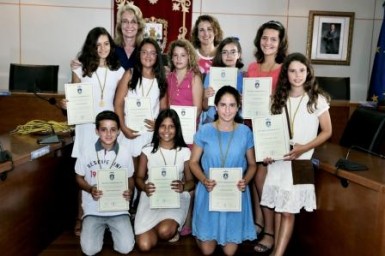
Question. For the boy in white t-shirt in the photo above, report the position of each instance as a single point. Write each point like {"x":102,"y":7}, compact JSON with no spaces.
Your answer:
{"x":106,"y":153}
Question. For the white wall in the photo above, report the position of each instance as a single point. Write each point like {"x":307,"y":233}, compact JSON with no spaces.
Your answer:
{"x":52,"y":32}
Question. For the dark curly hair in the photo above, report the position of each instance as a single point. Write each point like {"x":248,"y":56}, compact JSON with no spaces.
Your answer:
{"x":89,"y":57}
{"x":311,"y":86}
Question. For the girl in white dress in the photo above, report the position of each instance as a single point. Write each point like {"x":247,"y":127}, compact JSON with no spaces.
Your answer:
{"x":146,"y":80}
{"x":308,"y":109}
{"x":168,"y":149}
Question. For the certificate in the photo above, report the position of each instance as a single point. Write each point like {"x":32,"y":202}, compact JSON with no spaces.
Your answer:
{"x":225,"y":197}
{"x":270,"y":137}
{"x":80,"y":105}
{"x":256,"y":97}
{"x":113,"y":183}
{"x":219,"y":77}
{"x":137,"y":109}
{"x":164,"y":196}
{"x":188,"y":121}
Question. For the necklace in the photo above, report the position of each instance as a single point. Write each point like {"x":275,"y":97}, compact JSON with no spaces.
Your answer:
{"x":152,"y":83}
{"x":100,"y":166}
{"x":223,"y":157}
{"x":295,"y":113}
{"x":164,"y":159}
{"x":101,"y":103}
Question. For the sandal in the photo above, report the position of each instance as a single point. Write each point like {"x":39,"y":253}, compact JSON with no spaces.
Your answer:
{"x":175,"y":238}
{"x":78,"y":227}
{"x":261,"y":248}
{"x":259,"y":228}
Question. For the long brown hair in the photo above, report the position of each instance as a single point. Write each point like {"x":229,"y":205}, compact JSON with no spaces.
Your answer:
{"x":310,"y":86}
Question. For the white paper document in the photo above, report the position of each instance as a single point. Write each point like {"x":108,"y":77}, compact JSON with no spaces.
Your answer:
{"x":188,"y":120}
{"x":270,"y":137}
{"x":225,"y":197}
{"x":112,"y":182}
{"x":256,"y":97}
{"x":221,"y":76}
{"x":80,"y":103}
{"x":164,"y":196}
{"x":137,"y":109}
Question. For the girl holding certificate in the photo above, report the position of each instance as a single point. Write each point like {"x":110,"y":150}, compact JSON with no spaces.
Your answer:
{"x":147,"y":80}
{"x":307,"y":110}
{"x":101,"y":68}
{"x":228,"y":54}
{"x":271,"y":49}
{"x":184,"y":80}
{"x":168,"y":149}
{"x":225,"y":143}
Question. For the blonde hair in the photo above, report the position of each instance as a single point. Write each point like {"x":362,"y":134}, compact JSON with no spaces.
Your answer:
{"x":192,"y":56}
{"x":139,"y":18}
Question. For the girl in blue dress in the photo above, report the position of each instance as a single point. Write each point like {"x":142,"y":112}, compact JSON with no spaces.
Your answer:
{"x":225,"y":143}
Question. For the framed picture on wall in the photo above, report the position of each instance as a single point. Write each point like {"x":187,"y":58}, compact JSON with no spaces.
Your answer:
{"x":329,"y":37}
{"x":157,"y":30}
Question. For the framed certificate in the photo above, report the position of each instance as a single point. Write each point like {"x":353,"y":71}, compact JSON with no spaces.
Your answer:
{"x":220,"y":76}
{"x":164,"y":196}
{"x":256,"y":97}
{"x":113,"y":183}
{"x":137,"y":109}
{"x":188,"y":120}
{"x":80,"y":105}
{"x":225,"y":197}
{"x":271,"y":138}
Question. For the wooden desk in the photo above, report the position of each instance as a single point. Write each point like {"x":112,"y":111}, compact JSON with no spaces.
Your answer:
{"x":38,"y":198}
{"x":350,"y":219}
{"x":19,"y":108}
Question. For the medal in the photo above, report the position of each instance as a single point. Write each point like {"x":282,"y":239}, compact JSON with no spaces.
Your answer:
{"x":101,"y":102}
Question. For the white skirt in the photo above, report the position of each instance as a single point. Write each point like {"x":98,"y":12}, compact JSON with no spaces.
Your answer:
{"x":280,"y":193}
{"x":147,"y":218}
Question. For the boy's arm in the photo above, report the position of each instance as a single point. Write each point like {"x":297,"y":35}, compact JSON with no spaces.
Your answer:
{"x":83,"y":184}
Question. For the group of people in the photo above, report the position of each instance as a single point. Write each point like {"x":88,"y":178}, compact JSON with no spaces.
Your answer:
{"x":132,"y":67}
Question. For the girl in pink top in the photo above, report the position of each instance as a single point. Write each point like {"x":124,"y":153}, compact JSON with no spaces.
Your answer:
{"x":271,"y":50}
{"x":185,"y":89}
{"x":184,"y":80}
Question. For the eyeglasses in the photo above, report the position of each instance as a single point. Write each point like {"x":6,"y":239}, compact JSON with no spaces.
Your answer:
{"x":229,"y":53}
{"x":152,"y":54}
{"x":127,"y":22}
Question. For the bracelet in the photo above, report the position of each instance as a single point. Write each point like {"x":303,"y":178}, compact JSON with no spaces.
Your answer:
{"x":90,"y":190}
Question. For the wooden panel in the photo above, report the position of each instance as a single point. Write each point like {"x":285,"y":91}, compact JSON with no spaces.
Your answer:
{"x":350,"y":219}
{"x":38,"y":198}
{"x":19,"y":108}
